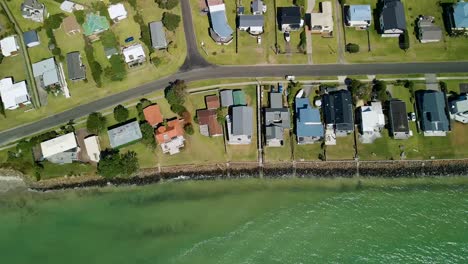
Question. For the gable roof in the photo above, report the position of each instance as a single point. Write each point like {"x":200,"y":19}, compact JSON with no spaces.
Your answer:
{"x":398,"y":118}
{"x":278,"y":117}
{"x":158,"y":35}
{"x":124,"y":134}
{"x":13,"y":94}
{"x":459,"y":104}
{"x":372,"y":117}
{"x":289,"y":15}
{"x":226,"y":98}
{"x":242,"y":118}
{"x":30,"y":37}
{"x":431,"y":108}
{"x":9,"y":46}
{"x":67,"y":6}
{"x":393,"y":14}
{"x":174,"y":129}
{"x":208,"y":117}
{"x":117,"y":10}
{"x":92,"y":148}
{"x":308,"y":123}
{"x":239,"y":97}
{"x":274,"y":132}
{"x":33,"y":4}
{"x":338,"y":110}
{"x":251,"y":21}
{"x":134,"y":52}
{"x":360,"y":13}
{"x":276,"y":100}
{"x":219,"y":21}
{"x":153,"y":115}
{"x":76,"y":70}
{"x":257,"y":6}
{"x":58,"y":145}
{"x":460,"y":14}
{"x":212,"y":102}
{"x":110,"y":51}
{"x":47,"y":69}
{"x":95,"y":24}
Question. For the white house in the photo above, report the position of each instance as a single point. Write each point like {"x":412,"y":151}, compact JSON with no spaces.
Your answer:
{"x":134,"y":55}
{"x":117,"y":12}
{"x":372,"y":122}
{"x":322,"y":23}
{"x":62,"y":149}
{"x":92,"y":148}
{"x":251,"y":23}
{"x":13,"y":94}
{"x":9,"y":46}
{"x":69,"y":6}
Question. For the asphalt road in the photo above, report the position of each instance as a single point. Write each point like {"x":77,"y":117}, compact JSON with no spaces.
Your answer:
{"x":196,"y":68}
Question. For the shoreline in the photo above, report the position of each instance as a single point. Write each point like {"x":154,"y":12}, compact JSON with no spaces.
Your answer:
{"x":280,"y":170}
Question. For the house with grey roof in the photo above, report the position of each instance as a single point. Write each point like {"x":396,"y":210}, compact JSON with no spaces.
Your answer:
{"x":258,"y":7}
{"x":251,"y":23}
{"x":338,"y":112}
{"x":432,"y":112}
{"x":124,"y":134}
{"x":110,"y":51}
{"x":458,"y":107}
{"x":428,"y":31}
{"x":240,"y":125}
{"x":76,"y":68}
{"x":309,"y":127}
{"x":392,"y":18}
{"x":31,"y":39}
{"x":277,"y":118}
{"x":158,"y":35}
{"x":34,"y":10}
{"x":46,"y":73}
{"x":227,"y":99}
{"x":398,"y":125}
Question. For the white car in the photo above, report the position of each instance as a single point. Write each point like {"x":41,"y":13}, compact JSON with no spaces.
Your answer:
{"x":287,"y":36}
{"x":412,"y":116}
{"x":290,"y":77}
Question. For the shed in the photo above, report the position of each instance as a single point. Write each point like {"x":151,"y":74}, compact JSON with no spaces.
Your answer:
{"x":117,"y":12}
{"x":92,"y":148}
{"x":31,"y":38}
{"x":276,"y":100}
{"x":226,"y":98}
{"x":158,"y":35}
{"x":153,"y":115}
{"x":9,"y":46}
{"x":76,"y":69}
{"x":239,"y":97}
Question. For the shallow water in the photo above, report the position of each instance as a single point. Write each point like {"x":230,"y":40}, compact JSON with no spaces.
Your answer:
{"x":248,"y":221}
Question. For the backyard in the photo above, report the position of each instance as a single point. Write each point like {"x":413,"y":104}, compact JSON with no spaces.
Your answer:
{"x":343,"y":150}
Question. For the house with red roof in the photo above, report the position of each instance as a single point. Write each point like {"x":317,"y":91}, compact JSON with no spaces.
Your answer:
{"x":153,"y":115}
{"x":171,"y":136}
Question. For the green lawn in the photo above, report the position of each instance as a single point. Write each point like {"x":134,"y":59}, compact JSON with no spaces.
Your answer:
{"x":53,"y":7}
{"x":13,"y":67}
{"x":307,"y":152}
{"x":324,"y":50}
{"x":283,"y":153}
{"x":60,"y":170}
{"x":343,"y":150}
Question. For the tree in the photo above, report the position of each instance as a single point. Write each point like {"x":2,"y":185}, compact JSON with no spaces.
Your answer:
{"x":113,"y":164}
{"x":359,"y":90}
{"x":120,"y":113}
{"x":1,"y":58}
{"x":96,"y":123}
{"x":80,"y":16}
{"x":167,"y":4}
{"x":170,"y":21}
{"x":380,"y":87}
{"x":147,"y":132}
{"x":2,"y":108}
{"x":117,"y":70}
{"x":189,"y":129}
{"x":156,"y":61}
{"x":404,"y":41}
{"x":352,"y":48}
{"x":220,"y":116}
{"x":175,"y":95}
{"x":54,"y":21}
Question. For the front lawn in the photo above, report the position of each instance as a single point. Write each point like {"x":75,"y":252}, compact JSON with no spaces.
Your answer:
{"x":325,"y":50}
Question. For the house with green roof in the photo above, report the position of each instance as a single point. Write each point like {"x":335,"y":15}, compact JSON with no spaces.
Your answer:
{"x":95,"y":24}
{"x":239,"y":97}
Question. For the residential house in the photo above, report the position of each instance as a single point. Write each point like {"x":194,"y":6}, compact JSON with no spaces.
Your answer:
{"x":322,"y":23}
{"x":31,"y":39}
{"x":398,"y":125}
{"x":70,"y":26}
{"x":69,"y":6}
{"x":46,"y":73}
{"x":226,"y":98}
{"x":153,"y":115}
{"x":9,"y":46}
{"x":93,"y":149}
{"x":277,"y":118}
{"x":459,"y":16}
{"x":359,"y":16}
{"x":428,"y":31}
{"x":372,"y":121}
{"x":110,"y":51}
{"x":212,"y":102}
{"x":208,"y":123}
{"x":134,"y":55}
{"x":289,"y":18}
{"x":76,"y":68}
{"x":117,"y":12}
{"x":95,"y":24}
{"x":238,"y":97}
{"x":240,"y":125}
{"x":13,"y":95}
{"x":258,"y":7}
{"x":124,"y":134}
{"x":392,"y":18}
{"x":158,"y":35}
{"x":459,"y":108}
{"x":251,"y":23}
{"x":220,"y":31}
{"x":432,"y":114}
{"x":171,"y":137}
{"x":61,"y":150}
{"x":34,"y":10}
{"x":309,"y":127}
{"x":338,"y":112}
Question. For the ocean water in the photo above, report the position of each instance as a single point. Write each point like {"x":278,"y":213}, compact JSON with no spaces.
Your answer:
{"x":245,"y":221}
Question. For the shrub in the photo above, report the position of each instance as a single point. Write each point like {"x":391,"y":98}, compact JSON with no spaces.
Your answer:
{"x":117,"y":70}
{"x":80,"y":16}
{"x":120,"y":113}
{"x":352,"y":48}
{"x":169,"y":4}
{"x":113,"y":164}
{"x":189,"y":129}
{"x":156,"y":61}
{"x":145,"y":34}
{"x":54,"y":21}
{"x":96,"y":123}
{"x":147,"y":132}
{"x":170,"y":21}
{"x":404,"y":41}
{"x":175,"y":94}
{"x":96,"y":69}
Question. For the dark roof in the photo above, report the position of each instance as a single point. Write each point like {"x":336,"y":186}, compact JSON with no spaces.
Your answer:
{"x":431,"y":109}
{"x":463,"y":88}
{"x":76,"y":70}
{"x":30,"y":37}
{"x":251,"y":21}
{"x":289,"y":15}
{"x":338,"y":110}
{"x":393,"y":14}
{"x":398,"y":118}
{"x":158,"y":35}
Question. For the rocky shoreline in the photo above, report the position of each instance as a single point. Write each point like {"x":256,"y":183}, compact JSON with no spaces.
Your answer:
{"x":331,"y":169}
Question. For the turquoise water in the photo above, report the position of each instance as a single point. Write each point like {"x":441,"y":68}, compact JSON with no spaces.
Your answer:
{"x":241,"y":222}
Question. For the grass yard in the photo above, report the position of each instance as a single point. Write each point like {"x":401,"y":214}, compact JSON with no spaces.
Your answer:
{"x":13,"y":67}
{"x":283,"y":153}
{"x":53,"y":7}
{"x":343,"y":150}
{"x":324,"y":50}
{"x":307,"y":152}
{"x":60,"y":170}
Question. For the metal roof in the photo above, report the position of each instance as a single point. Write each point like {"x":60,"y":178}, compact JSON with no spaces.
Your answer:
{"x":289,"y":15}
{"x":278,"y":117}
{"x":219,"y":21}
{"x":48,"y":70}
{"x":242,"y":119}
{"x":274,"y":132}
{"x":251,"y":21}
{"x":398,"y":118}
{"x":124,"y":134}
{"x":239,"y":97}
{"x":276,"y":100}
{"x":360,"y":13}
{"x":30,"y":37}
{"x":308,"y":123}
{"x":431,"y":108}
{"x":393,"y":14}
{"x":158,"y":36}
{"x":76,"y":70}
{"x":338,"y":110}
{"x":460,"y":15}
{"x":226,"y":98}
{"x":58,"y":145}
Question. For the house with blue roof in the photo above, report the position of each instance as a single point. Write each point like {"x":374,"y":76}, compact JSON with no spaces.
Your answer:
{"x":432,"y":112}
{"x":309,"y":127}
{"x":220,"y":31}
{"x":459,"y":17}
{"x":358,"y":16}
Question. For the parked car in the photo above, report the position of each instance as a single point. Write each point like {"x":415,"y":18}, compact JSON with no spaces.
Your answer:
{"x":259,"y":40}
{"x":290,"y":77}
{"x":412,"y":117}
{"x":287,"y":36}
{"x":129,"y":39}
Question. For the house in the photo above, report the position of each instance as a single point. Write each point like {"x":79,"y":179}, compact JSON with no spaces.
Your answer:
{"x":9,"y":46}
{"x":34,"y":10}
{"x":208,"y":122}
{"x":372,"y":121}
{"x":398,"y":120}
{"x":309,"y":127}
{"x":238,"y":97}
{"x":220,"y":31}
{"x":212,"y":102}
{"x":459,"y":17}
{"x":251,"y":23}
{"x":171,"y":137}
{"x":46,"y":73}
{"x":258,"y":7}
{"x":60,"y":150}
{"x":117,"y":12}
{"x":428,"y":31}
{"x":95,"y":24}
{"x":459,"y":109}
{"x":338,"y":112}
{"x":71,"y":26}
{"x":153,"y":115}
{"x":289,"y":18}
{"x":31,"y":39}
{"x":134,"y":55}
{"x":277,"y":118}
{"x":322,"y":23}
{"x":76,"y":68}
{"x":110,"y":52}
{"x":13,"y":95}
{"x":69,"y":7}
{"x":93,"y":149}
{"x":158,"y":35}
{"x":392,"y":18}
{"x":124,"y":134}
{"x":226,"y":98}
{"x":359,"y":16}
{"x":432,"y":113}
{"x":240,"y":125}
